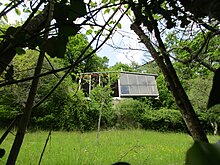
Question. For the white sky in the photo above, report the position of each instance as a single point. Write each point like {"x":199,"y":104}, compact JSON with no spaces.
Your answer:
{"x":126,"y":39}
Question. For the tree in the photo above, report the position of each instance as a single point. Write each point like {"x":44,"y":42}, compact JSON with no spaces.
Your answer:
{"x":195,"y":73}
{"x":75,"y":47}
{"x":149,"y":14}
{"x":188,"y":54}
{"x":101,"y":101}
{"x":122,"y":67}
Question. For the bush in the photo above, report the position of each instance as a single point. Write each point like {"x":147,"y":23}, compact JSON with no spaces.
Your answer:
{"x":171,"y":120}
{"x":7,"y":115}
{"x":77,"y":115}
{"x":129,"y":113}
{"x":66,"y":110}
{"x":50,"y":114}
{"x":101,"y":100}
{"x":163,"y":120}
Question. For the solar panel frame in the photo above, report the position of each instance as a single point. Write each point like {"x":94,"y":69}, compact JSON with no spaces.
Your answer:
{"x":138,"y":85}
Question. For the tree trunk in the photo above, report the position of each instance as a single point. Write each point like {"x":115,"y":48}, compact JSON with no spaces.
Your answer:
{"x":99,"y":123}
{"x":181,"y":98}
{"x":26,"y":115}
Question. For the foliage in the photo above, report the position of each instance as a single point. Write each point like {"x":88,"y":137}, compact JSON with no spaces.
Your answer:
{"x":76,"y":114}
{"x":122,"y":67}
{"x":206,"y":120}
{"x":165,"y":97}
{"x":191,"y":62}
{"x":146,"y":13}
{"x":50,"y":114}
{"x":210,"y":119}
{"x":170,"y":120}
{"x":75,"y":48}
{"x":195,"y":65}
{"x":72,"y":111}
{"x":14,"y":96}
{"x":129,"y":113}
{"x":163,"y":120}
{"x":149,"y":67}
{"x":101,"y":102}
{"x":63,"y":13}
{"x":198,"y":90}
{"x":62,"y":110}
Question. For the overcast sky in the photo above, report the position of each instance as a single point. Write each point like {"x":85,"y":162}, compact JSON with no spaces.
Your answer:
{"x":123,"y":40}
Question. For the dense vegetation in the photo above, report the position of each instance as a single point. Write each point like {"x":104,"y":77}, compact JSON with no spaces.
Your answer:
{"x":68,"y":109}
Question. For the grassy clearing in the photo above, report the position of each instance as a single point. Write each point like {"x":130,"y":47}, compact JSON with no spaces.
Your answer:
{"x":138,"y":147}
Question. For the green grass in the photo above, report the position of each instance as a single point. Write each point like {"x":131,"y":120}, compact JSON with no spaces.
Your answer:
{"x":137,"y":147}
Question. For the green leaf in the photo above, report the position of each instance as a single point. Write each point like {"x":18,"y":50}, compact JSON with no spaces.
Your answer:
{"x":114,"y":8}
{"x":5,"y":18}
{"x":203,"y":154}
{"x":88,"y":32}
{"x":119,"y":25}
{"x":55,"y":46}
{"x":77,"y":9}
{"x":17,"y":11}
{"x":96,"y":31}
{"x":60,"y":12}
{"x":20,"y":50}
{"x":111,"y":22}
{"x":128,"y":12}
{"x":68,"y":30}
{"x":26,"y":10}
{"x":104,"y":1}
{"x":2,"y":152}
{"x":107,"y":11}
{"x":93,"y":4}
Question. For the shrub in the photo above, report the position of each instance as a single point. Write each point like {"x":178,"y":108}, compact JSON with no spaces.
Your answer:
{"x":163,"y":120}
{"x":129,"y":113}
{"x":101,"y":101}
{"x":78,"y":115}
{"x":50,"y":114}
{"x":7,"y":115}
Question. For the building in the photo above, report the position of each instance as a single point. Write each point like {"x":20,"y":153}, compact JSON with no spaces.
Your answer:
{"x":123,"y":84}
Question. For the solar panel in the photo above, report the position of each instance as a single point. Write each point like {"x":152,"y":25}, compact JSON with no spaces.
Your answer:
{"x":138,"y":85}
